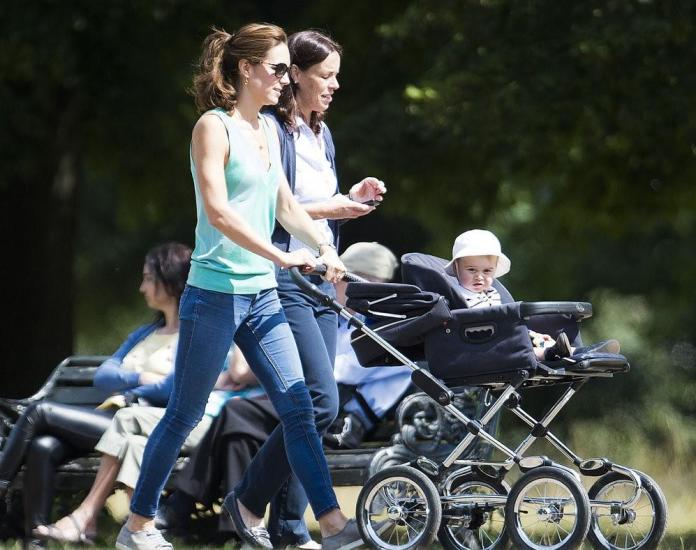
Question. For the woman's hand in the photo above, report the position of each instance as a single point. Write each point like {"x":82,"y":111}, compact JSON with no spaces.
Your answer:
{"x":369,"y":189}
{"x":334,"y":266}
{"x":298,"y":258}
{"x":340,"y":207}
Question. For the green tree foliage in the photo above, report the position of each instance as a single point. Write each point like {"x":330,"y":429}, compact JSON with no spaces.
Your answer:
{"x":568,"y":129}
{"x":565,"y":127}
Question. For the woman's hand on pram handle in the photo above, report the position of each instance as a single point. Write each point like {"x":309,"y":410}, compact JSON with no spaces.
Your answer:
{"x":300,"y":258}
{"x":320,"y":269}
{"x":334,"y":268}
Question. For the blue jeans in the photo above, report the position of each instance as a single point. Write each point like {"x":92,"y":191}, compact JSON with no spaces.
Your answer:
{"x":314,"y":328}
{"x":209,"y":322}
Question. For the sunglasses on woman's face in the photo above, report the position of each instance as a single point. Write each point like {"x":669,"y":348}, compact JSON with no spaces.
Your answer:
{"x":279,"y":69}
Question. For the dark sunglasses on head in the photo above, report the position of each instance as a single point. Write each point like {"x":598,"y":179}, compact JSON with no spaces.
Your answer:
{"x":279,"y":69}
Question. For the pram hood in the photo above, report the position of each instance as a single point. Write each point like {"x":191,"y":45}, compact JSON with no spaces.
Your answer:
{"x":435,"y":324}
{"x":419,"y":271}
{"x":426,"y":271}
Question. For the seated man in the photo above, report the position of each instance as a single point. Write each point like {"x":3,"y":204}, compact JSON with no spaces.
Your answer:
{"x":378,"y":389}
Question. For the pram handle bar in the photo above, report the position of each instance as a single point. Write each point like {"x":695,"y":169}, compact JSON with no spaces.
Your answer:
{"x":320,"y":270}
{"x":311,"y":289}
{"x":577,"y":310}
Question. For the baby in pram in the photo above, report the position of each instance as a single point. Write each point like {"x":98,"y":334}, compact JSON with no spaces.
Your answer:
{"x":477,"y":260}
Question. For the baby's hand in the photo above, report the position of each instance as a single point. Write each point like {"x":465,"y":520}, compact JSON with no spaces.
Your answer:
{"x":541,"y":340}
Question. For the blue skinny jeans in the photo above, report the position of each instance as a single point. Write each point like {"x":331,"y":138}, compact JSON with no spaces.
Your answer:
{"x":314,"y":328}
{"x":209,"y":322}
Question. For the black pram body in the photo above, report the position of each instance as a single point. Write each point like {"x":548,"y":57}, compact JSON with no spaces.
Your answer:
{"x":426,"y":318}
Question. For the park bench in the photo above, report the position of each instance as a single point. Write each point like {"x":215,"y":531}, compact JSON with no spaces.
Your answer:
{"x":71,"y":382}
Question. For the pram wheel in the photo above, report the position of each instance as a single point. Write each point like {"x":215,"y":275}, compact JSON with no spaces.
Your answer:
{"x":474,"y":525}
{"x":547,"y":509}
{"x":398,"y":509}
{"x":618,"y":527}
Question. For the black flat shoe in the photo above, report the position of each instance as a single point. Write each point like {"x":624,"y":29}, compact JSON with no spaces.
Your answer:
{"x":256,"y":537}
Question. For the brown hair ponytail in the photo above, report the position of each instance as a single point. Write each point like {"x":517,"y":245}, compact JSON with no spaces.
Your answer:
{"x":217,"y":81}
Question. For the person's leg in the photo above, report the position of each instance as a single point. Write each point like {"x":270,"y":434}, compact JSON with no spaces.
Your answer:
{"x":112,"y":445}
{"x":81,"y":427}
{"x":267,"y":343}
{"x":132,"y":460}
{"x":208,"y":323}
{"x":314,"y":329}
{"x":43,"y":457}
{"x":84,"y":518}
{"x":127,"y":422}
{"x":238,"y":451}
{"x":135,"y":449}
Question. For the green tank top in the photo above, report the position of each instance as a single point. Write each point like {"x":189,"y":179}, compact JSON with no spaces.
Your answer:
{"x":218,"y":263}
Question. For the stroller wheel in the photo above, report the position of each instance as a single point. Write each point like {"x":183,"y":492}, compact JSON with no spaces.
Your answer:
{"x":618,"y":527}
{"x":474,"y":525}
{"x":547,"y":509}
{"x":398,"y":509}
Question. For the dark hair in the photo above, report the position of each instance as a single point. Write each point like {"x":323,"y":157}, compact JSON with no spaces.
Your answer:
{"x":170,"y":263}
{"x":217,"y":80}
{"x":307,"y":48}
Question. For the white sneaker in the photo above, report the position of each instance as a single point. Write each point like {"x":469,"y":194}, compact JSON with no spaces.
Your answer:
{"x":147,"y":539}
{"x":347,"y":539}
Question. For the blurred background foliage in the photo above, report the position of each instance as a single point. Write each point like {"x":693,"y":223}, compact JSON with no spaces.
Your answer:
{"x":565,"y":127}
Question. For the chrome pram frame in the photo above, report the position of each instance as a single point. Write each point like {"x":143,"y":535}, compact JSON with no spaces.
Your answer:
{"x":456,"y":515}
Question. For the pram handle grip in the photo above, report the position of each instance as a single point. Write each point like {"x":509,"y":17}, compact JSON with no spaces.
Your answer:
{"x":310,"y":288}
{"x":577,"y":310}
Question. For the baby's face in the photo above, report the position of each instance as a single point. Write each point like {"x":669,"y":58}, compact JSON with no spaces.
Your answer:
{"x":476,"y":273}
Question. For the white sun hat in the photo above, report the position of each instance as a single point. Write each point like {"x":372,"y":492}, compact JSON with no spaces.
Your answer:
{"x":478,"y":242}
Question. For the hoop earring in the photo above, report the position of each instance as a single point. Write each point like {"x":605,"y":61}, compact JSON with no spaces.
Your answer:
{"x":246,"y":80}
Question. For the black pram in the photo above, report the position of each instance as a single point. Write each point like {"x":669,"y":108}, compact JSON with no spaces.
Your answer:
{"x":468,"y":503}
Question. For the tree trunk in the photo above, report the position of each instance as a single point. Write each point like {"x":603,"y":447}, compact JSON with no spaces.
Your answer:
{"x":39,"y":200}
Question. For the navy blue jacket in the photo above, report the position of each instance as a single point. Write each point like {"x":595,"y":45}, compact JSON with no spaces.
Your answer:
{"x":281,"y":238}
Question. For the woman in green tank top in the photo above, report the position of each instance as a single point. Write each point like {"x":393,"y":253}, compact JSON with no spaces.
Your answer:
{"x":240,"y":192}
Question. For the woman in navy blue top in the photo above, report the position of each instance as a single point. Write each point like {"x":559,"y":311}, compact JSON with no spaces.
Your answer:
{"x":48,"y":433}
{"x":308,"y":158}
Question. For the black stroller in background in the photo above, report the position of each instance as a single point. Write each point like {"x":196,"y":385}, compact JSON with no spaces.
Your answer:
{"x":468,"y":502}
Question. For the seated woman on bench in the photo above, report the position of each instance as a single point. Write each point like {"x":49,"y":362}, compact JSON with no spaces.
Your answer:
{"x":122,"y":447}
{"x":48,"y":433}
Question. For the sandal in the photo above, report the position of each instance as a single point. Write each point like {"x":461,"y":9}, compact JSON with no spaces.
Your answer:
{"x":55,"y":533}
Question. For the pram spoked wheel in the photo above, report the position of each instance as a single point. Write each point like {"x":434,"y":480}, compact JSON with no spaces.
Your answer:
{"x":473,"y":525}
{"x":398,"y":509}
{"x":617,"y":527}
{"x":547,"y":509}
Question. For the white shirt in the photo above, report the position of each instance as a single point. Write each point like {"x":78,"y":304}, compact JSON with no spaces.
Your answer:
{"x":315,"y":180}
{"x":486,"y":298}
